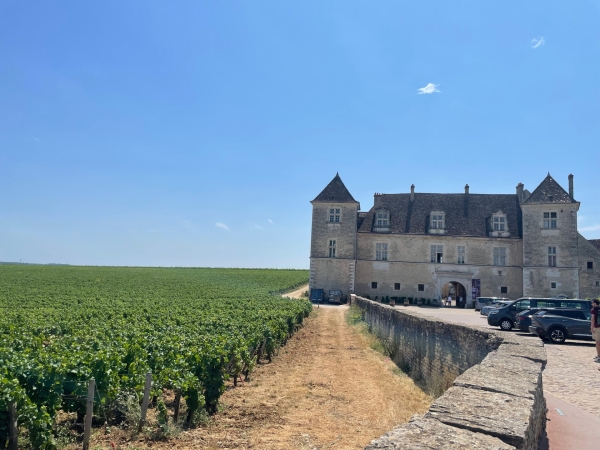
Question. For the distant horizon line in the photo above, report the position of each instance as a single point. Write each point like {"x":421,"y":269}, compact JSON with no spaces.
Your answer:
{"x":8,"y":263}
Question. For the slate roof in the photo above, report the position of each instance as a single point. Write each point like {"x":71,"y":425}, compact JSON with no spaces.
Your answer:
{"x":465,"y":214}
{"x":335,"y":191}
{"x":549,"y":191}
{"x":595,"y":243}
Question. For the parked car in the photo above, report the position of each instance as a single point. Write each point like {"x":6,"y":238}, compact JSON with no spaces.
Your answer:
{"x":505,"y":317}
{"x":336,"y":296}
{"x":523,"y":319}
{"x":498,"y":304}
{"x":557,"y":325}
{"x":316,"y":295}
{"x":480,"y":302}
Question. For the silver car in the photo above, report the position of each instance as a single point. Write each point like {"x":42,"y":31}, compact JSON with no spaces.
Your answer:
{"x":481,"y":302}
{"x":486,"y":309}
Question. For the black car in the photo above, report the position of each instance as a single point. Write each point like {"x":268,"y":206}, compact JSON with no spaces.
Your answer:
{"x":557,"y":325}
{"x":505,"y":317}
{"x":523,"y":319}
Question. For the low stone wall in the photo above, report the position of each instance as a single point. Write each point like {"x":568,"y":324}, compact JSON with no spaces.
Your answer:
{"x":491,"y":382}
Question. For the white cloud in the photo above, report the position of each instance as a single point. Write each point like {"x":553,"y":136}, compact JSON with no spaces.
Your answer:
{"x":270,"y":221}
{"x":36,"y":139}
{"x":222,"y":225}
{"x":153,"y":230}
{"x":536,"y":42}
{"x":429,"y":89}
{"x":258,"y":227}
{"x":591,"y":228}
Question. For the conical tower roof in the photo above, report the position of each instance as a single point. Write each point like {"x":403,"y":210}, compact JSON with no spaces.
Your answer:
{"x":336,"y":192}
{"x":549,"y":191}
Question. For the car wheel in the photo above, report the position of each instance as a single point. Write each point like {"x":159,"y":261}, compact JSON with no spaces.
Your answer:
{"x":506,"y":325}
{"x":557,"y":335}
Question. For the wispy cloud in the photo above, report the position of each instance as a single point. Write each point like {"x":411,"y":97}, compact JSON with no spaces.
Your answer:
{"x":429,"y":89}
{"x":221,"y":225}
{"x":270,"y":221}
{"x":258,"y":227}
{"x":153,"y":230}
{"x":591,"y":228}
{"x":36,"y":139}
{"x":536,"y":42}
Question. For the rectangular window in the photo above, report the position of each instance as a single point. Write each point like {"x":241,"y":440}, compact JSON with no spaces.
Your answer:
{"x":332,"y":248}
{"x":461,"y":254}
{"x":590,"y":264}
{"x":503,"y":289}
{"x":597,"y":283}
{"x":437,"y":254}
{"x":499,"y":223}
{"x":552,"y":256}
{"x":421,"y":287}
{"x":549,"y":220}
{"x":382,"y":219}
{"x":334,"y":215}
{"x":499,"y":256}
{"x":437,"y":220}
{"x":553,"y":285}
{"x":373,"y":284}
{"x":396,"y":286}
{"x":381,"y":251}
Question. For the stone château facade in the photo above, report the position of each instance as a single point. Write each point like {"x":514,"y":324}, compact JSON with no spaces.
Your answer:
{"x":424,"y":245}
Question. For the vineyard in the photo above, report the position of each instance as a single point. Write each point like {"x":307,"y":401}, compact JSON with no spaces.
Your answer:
{"x":192,"y":329}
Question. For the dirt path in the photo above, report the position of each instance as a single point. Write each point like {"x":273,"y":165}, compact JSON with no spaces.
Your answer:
{"x":326,"y":389}
{"x":296,"y":293}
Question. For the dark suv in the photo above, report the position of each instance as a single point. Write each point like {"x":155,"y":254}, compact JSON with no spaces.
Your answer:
{"x":523,"y":319}
{"x":505,"y":317}
{"x":557,"y":325}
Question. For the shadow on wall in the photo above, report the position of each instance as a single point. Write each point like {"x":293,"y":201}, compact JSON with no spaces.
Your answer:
{"x":466,"y":367}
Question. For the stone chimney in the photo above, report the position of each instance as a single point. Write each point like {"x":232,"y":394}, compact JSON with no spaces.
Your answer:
{"x":412,"y":192}
{"x":520,"y":187}
{"x":571,"y":187}
{"x":466,"y":188}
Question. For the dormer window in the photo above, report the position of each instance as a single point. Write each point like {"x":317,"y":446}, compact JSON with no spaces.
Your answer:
{"x":499,"y":225}
{"x":334,"y":215}
{"x":437,"y":220}
{"x":382,"y":219}
{"x":499,"y":222}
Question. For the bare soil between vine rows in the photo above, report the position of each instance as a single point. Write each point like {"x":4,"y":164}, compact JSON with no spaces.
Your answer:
{"x":325,"y":389}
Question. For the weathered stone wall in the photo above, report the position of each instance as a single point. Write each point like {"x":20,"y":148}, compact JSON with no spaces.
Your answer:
{"x":333,"y":273}
{"x":588,"y":277}
{"x":494,"y":397}
{"x":537,"y":276}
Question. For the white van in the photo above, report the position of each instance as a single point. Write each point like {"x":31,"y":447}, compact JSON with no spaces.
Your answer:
{"x":485,"y":301}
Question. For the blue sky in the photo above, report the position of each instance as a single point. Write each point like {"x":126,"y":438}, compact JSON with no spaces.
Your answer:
{"x":130,"y":130}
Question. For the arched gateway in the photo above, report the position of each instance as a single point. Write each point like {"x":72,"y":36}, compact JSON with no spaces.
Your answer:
{"x":455,"y":290}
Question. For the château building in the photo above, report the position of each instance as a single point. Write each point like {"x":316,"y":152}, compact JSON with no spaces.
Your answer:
{"x":425,"y":245}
